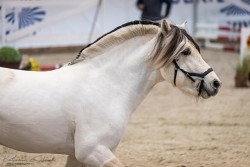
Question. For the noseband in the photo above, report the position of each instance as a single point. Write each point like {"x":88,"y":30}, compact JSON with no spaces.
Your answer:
{"x":190,"y":75}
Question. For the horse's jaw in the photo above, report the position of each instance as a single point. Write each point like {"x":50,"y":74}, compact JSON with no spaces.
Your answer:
{"x":155,"y":77}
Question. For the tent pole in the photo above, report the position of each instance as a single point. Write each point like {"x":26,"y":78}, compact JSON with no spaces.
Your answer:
{"x":195,"y":5}
{"x":3,"y":22}
{"x":95,"y":19}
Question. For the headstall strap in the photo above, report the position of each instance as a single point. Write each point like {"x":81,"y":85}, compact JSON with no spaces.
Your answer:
{"x":190,"y":75}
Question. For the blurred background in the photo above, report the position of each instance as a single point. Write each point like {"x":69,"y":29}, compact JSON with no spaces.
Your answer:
{"x":169,"y":128}
{"x":45,"y":23}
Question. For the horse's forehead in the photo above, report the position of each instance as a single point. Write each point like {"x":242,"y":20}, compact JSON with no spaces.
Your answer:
{"x":191,"y":45}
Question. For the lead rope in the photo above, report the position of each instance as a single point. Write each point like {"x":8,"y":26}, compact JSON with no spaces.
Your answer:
{"x":189,"y":75}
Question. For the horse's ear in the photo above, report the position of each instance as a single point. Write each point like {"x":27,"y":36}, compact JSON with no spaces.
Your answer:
{"x":165,"y":26}
{"x":183,"y":25}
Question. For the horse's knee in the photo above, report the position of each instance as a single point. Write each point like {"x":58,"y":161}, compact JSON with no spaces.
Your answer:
{"x":99,"y":156}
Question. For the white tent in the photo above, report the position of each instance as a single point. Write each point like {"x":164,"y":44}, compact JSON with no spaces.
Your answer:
{"x":46,"y":23}
{"x":58,"y":23}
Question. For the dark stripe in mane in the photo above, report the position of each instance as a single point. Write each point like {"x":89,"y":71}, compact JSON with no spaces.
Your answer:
{"x":191,"y":39}
{"x":136,"y":22}
{"x":163,"y":53}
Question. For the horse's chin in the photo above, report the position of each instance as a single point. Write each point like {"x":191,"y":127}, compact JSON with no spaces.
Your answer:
{"x":194,"y":92}
{"x":205,"y":94}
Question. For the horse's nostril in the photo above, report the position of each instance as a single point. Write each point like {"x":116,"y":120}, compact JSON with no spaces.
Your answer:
{"x":216,"y":84}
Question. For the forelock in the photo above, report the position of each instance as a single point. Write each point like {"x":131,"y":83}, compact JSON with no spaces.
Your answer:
{"x":164,"y":53}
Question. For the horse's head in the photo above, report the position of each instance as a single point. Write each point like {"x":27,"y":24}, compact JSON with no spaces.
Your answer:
{"x":179,"y":59}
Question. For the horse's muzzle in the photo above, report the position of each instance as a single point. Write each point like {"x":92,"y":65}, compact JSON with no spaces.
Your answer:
{"x":211,"y":89}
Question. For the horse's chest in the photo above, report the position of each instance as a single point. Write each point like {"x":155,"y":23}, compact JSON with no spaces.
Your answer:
{"x":105,"y":129}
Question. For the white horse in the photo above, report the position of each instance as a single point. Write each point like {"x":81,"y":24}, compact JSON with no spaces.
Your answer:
{"x":83,"y":108}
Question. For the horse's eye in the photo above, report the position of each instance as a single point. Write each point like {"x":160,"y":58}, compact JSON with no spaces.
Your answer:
{"x":186,"y":52}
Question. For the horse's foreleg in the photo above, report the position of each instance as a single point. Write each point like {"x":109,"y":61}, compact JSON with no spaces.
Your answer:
{"x":72,"y":162}
{"x":100,"y":156}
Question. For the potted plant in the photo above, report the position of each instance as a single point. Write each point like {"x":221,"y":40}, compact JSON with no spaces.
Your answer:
{"x":243,"y":72}
{"x":9,"y":57}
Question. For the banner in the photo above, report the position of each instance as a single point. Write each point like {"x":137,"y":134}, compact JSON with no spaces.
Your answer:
{"x":233,"y":13}
{"x":45,"y":23}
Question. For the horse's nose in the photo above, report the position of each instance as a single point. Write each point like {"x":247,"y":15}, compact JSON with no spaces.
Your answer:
{"x":216,"y":84}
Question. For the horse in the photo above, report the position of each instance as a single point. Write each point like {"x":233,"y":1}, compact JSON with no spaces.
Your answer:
{"x":83,"y":108}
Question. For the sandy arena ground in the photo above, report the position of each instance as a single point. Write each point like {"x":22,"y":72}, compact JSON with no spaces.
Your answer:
{"x":170,"y":129}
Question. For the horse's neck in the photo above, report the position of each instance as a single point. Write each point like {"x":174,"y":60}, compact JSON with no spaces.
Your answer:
{"x":127,"y":68}
{"x":131,"y":51}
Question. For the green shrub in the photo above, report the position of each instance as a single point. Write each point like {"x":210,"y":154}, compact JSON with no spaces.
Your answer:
{"x":9,"y":54}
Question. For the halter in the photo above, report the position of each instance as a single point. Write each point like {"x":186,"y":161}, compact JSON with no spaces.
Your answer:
{"x":190,"y":75}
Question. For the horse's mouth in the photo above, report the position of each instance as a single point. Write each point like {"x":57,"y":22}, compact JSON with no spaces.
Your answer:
{"x":206,"y":92}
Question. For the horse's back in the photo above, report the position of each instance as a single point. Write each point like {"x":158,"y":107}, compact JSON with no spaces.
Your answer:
{"x":6,"y":77}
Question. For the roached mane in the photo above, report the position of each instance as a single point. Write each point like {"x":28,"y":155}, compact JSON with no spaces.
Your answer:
{"x":161,"y":53}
